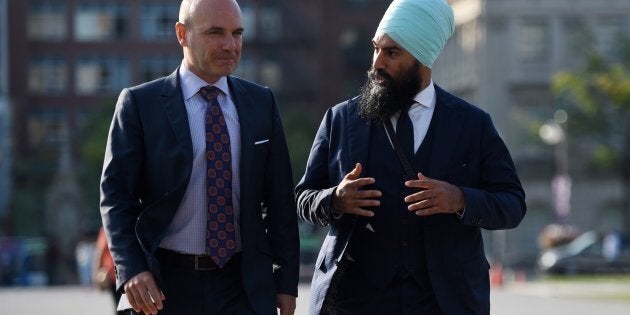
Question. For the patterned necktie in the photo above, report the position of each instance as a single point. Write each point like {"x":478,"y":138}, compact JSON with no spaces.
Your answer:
{"x":220,"y":235}
{"x":404,"y":132}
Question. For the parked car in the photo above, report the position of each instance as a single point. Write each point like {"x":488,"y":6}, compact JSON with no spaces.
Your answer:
{"x":590,"y":253}
{"x":23,"y":262}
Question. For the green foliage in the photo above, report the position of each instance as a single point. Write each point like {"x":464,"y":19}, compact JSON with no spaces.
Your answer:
{"x":31,"y":176}
{"x":300,"y":129}
{"x":93,"y":139}
{"x":598,"y":102}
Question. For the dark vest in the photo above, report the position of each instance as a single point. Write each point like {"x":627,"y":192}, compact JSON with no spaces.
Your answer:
{"x":392,"y":242}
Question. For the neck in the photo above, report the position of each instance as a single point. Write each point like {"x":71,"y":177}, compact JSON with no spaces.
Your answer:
{"x":425,"y":77}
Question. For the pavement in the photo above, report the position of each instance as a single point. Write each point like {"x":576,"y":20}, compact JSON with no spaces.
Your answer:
{"x":603,"y":290}
{"x":513,"y":298}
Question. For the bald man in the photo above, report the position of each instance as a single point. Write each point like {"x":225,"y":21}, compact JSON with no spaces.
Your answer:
{"x":196,"y":192}
{"x":406,"y":175}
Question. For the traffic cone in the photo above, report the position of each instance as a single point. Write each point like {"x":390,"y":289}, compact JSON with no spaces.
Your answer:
{"x":496,"y":275}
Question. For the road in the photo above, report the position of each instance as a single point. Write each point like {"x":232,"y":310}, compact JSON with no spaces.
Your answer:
{"x":512,"y":300}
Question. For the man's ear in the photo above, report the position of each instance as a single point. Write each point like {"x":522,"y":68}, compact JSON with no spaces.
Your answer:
{"x":180,"y":31}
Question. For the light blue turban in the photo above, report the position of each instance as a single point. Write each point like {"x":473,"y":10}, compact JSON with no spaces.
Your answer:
{"x":421,"y":27}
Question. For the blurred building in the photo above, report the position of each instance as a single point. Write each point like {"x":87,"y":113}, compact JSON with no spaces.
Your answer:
{"x":5,"y":139}
{"x":501,"y":58}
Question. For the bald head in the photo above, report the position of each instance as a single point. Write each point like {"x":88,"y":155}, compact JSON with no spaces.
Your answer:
{"x":188,"y":8}
{"x":210,"y":33}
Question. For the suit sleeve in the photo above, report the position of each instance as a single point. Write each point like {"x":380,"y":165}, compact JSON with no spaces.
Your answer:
{"x":280,"y":208}
{"x":120,"y":204}
{"x":498,"y":202}
{"x":314,"y":191}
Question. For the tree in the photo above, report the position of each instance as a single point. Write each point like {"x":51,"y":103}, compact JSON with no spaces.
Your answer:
{"x":598,"y":102}
{"x":93,"y":139}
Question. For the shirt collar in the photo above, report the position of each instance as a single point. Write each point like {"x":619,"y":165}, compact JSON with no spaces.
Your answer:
{"x":426,"y":97}
{"x":191,"y":83}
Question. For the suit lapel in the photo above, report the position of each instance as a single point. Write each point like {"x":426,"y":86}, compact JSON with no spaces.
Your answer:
{"x":448,"y":126}
{"x":358,"y":136}
{"x":175,"y":108}
{"x":244,"y":107}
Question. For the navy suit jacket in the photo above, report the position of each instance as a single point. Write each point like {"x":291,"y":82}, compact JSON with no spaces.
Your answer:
{"x":467,"y":151}
{"x":147,"y":167}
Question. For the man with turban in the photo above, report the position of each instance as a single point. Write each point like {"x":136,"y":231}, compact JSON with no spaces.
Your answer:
{"x":406,"y":175}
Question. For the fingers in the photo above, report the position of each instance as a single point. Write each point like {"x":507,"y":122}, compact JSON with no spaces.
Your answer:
{"x":352,"y":201}
{"x":358,"y":183}
{"x":143,"y":294}
{"x":435,"y":197}
{"x":349,"y":198}
{"x":421,"y":182}
{"x":355,"y":173}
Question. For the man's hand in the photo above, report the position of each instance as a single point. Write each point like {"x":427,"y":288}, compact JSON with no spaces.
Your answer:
{"x":143,"y":293}
{"x":434,"y":197}
{"x":348,"y":197}
{"x":286,"y":303}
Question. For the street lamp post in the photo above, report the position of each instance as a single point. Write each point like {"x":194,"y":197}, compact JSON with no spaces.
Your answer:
{"x":554,"y":133}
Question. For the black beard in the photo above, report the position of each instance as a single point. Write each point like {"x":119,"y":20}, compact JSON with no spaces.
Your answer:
{"x":381,"y":101}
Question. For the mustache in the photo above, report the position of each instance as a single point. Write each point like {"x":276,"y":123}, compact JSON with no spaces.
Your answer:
{"x":374,"y":74}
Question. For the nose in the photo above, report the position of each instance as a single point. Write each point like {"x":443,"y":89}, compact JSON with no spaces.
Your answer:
{"x":231,"y":43}
{"x":378,"y":60}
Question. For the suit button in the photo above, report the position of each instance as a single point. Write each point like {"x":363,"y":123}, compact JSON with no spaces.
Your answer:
{"x":404,"y":243}
{"x":403,"y":221}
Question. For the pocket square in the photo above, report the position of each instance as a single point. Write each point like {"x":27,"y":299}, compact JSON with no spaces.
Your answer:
{"x":261,"y":142}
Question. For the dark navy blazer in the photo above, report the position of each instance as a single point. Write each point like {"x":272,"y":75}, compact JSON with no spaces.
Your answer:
{"x":147,"y":167}
{"x":468,"y":152}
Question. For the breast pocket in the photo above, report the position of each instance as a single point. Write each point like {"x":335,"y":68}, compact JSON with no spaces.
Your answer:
{"x":463,"y":171}
{"x":261,"y":148}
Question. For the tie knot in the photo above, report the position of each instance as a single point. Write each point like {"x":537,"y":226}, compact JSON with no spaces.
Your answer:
{"x":209,"y":92}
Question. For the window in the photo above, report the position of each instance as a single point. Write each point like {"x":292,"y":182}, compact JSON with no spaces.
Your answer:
{"x":46,"y":20}
{"x":249,"y":23}
{"x":158,"y":66}
{"x":609,"y":32}
{"x":157,"y":21}
{"x":533,"y":41}
{"x":96,"y":22}
{"x":46,"y":127}
{"x":48,"y":75}
{"x":271,"y":24}
{"x":579,"y":39}
{"x":101,"y":75}
{"x":271,"y":74}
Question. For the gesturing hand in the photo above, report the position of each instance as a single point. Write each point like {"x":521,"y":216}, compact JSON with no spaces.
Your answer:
{"x":348,"y":198}
{"x":143,"y":294}
{"x":435,"y":197}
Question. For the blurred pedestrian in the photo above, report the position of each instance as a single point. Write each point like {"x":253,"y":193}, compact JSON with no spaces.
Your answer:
{"x":406,"y":207}
{"x":103,"y":273}
{"x":196,"y":192}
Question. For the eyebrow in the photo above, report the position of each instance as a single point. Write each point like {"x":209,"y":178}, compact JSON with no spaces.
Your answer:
{"x":219,"y":28}
{"x":390,"y":47}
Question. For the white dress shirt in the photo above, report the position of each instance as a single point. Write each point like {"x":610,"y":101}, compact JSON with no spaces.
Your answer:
{"x":187,"y":231}
{"x":420,"y":114}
